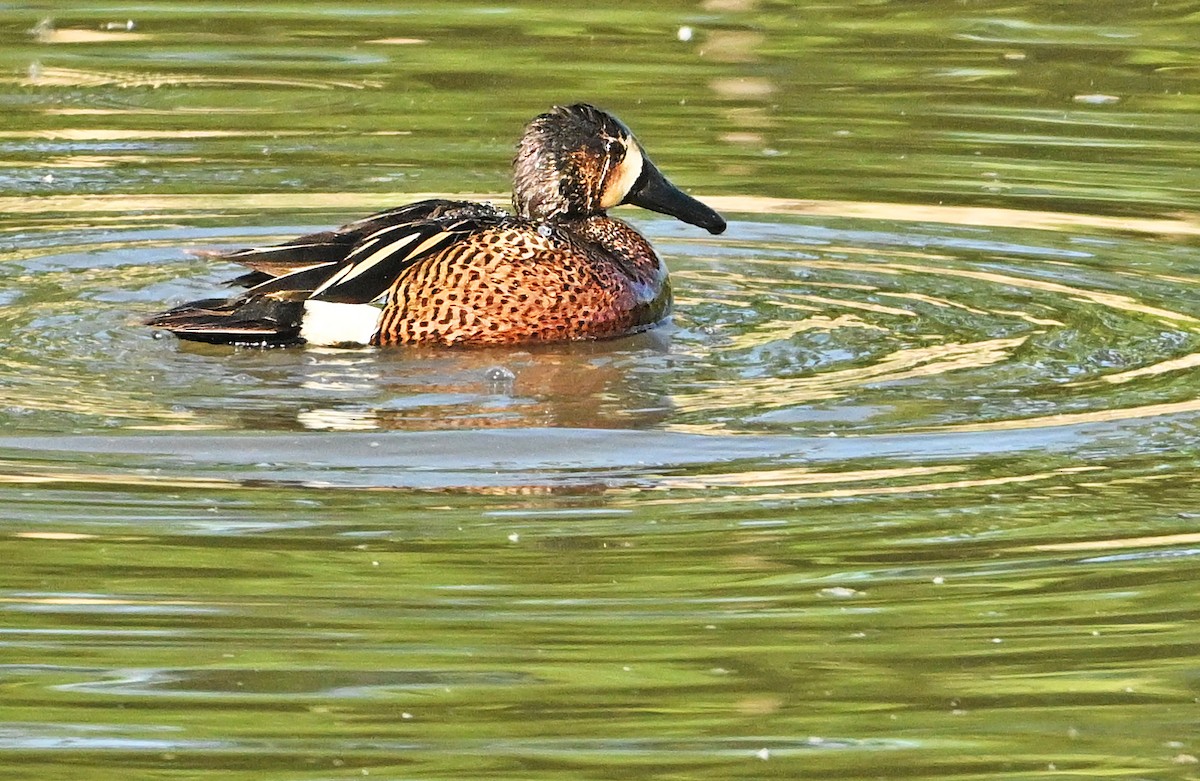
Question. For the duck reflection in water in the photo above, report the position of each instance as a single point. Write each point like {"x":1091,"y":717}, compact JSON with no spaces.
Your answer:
{"x":619,"y":385}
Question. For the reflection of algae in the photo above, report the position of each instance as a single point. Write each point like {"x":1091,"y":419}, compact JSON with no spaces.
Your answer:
{"x":89,"y":161}
{"x":49,"y":476}
{"x":71,"y":77}
{"x":878,"y":309}
{"x":1189,"y":538}
{"x":774,"y":392}
{"x":108,"y":403}
{"x":772,"y":478}
{"x":145,"y":111}
{"x":47,"y":34}
{"x":869,"y":490}
{"x":1162,"y":367}
{"x":778,"y":330}
{"x":1184,"y":225}
{"x":125,"y":408}
{"x":79,"y":601}
{"x":1110,"y":300}
{"x":109,"y":134}
{"x":947,"y":304}
{"x":1028,"y":318}
{"x":204,"y":204}
{"x":67,"y":394}
{"x":1077,"y":418}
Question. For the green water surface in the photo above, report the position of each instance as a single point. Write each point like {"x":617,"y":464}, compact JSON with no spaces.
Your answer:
{"x":907,"y":489}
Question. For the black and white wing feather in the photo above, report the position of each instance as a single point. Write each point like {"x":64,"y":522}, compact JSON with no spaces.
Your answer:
{"x":357,"y":263}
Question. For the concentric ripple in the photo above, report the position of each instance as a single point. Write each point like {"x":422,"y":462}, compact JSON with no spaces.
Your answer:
{"x":902,"y":327}
{"x":845,"y":326}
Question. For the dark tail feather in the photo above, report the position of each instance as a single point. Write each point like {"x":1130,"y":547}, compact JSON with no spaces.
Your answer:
{"x":249,"y":279}
{"x":281,"y":259}
{"x":257,"y":321}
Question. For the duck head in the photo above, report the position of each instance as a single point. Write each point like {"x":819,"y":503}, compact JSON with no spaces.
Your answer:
{"x":577,"y":161}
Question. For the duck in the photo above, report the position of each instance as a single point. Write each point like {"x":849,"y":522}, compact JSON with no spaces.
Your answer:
{"x":464,"y":273}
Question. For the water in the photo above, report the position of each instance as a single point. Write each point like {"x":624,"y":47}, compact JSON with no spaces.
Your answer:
{"x":907,"y":488}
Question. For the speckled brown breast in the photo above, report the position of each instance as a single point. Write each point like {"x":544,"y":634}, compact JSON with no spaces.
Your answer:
{"x":585,"y":279}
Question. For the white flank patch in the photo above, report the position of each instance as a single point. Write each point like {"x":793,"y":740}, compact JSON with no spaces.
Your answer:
{"x":330,"y":324}
{"x":625,"y":177}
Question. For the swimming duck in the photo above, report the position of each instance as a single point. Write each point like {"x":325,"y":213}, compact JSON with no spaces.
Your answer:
{"x":457,"y":272}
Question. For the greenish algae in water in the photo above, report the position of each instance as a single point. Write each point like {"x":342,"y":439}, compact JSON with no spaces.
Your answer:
{"x":908,"y":487}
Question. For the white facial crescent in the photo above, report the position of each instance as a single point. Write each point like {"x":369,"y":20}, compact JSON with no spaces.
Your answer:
{"x":624,"y":178}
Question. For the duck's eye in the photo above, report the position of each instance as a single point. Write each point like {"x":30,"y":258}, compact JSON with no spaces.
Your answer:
{"x":615,"y":150}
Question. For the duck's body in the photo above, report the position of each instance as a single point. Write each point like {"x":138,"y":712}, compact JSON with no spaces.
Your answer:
{"x":456,"y":272}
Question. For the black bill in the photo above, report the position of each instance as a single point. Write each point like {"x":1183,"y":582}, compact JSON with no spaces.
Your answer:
{"x":652,"y":191}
